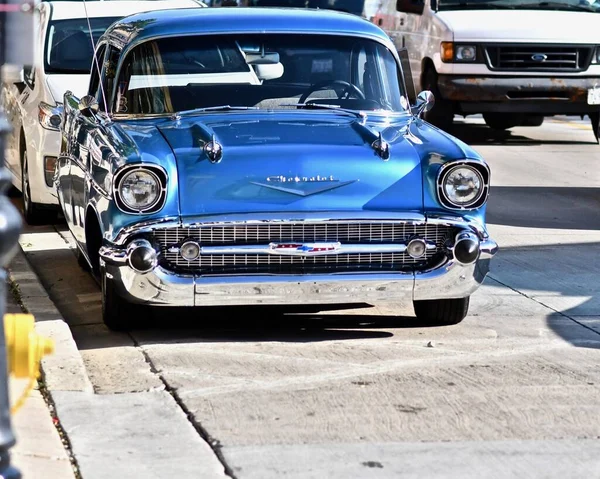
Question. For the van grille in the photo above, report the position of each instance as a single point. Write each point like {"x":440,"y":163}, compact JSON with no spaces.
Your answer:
{"x":532,"y":57}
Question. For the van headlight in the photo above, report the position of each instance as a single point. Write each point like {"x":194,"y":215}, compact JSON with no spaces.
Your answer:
{"x":140,"y":189}
{"x":463,"y":185}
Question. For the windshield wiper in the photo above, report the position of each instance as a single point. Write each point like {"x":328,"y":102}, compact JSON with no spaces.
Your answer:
{"x":325,"y":106}
{"x":178,"y":114}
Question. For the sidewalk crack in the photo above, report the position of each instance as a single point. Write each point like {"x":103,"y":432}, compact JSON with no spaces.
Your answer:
{"x":545,"y":305}
{"x":213,"y":443}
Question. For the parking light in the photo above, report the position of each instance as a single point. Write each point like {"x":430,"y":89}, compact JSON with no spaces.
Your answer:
{"x":49,"y":169}
{"x":447,"y":52}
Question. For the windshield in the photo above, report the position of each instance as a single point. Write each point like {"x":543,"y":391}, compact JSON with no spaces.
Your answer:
{"x":269,"y":71}
{"x":69,"y":47}
{"x":572,"y":5}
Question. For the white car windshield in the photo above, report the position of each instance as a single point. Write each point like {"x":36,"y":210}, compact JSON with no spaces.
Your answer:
{"x":69,"y":45}
{"x":266,"y":71}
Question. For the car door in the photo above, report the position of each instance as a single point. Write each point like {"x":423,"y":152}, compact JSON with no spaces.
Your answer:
{"x":82,"y":129}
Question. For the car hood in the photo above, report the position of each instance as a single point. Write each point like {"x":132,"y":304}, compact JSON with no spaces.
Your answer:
{"x":303,"y":162}
{"x":516,"y":26}
{"x":58,"y":84}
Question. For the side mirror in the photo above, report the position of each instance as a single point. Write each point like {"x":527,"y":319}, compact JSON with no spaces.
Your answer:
{"x":425,"y":102}
{"x":88,"y":106}
{"x":13,"y":74}
{"x":410,"y":6}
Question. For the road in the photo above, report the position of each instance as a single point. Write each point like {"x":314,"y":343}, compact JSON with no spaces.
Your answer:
{"x":510,"y":392}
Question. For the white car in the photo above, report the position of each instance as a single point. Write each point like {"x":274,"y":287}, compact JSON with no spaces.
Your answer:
{"x":63,"y":50}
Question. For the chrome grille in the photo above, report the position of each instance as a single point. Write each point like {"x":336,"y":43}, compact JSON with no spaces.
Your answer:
{"x":555,"y":58}
{"x":264,"y":233}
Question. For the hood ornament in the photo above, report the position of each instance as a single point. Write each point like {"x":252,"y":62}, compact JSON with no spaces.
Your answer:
{"x":213,"y":150}
{"x":381,"y":147}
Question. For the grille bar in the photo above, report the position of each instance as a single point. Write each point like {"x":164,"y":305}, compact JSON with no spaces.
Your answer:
{"x":539,"y":57}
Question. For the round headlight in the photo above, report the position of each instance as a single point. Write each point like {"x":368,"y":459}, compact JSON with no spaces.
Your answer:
{"x":463,"y":186}
{"x":139,"y":189}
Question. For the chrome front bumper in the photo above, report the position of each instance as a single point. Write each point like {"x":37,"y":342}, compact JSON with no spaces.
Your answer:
{"x":161,"y":287}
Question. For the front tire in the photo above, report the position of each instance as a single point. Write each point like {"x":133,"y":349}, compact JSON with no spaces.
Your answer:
{"x":442,"y":312}
{"x":117,"y":314}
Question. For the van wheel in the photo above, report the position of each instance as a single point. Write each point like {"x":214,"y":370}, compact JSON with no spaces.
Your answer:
{"x":442,"y":312}
{"x":533,"y":120}
{"x":502,"y":121}
{"x":442,"y":114}
{"x":117,"y":314}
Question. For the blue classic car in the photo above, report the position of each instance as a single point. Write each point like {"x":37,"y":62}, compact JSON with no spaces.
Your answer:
{"x":267,"y":157}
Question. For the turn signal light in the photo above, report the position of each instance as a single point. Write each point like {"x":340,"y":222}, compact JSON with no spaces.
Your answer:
{"x":447,"y":51}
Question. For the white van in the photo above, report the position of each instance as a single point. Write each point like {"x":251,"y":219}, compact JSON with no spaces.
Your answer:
{"x":514,"y":61}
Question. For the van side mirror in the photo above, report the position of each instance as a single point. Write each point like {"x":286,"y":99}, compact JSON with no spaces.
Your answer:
{"x":410,"y":6}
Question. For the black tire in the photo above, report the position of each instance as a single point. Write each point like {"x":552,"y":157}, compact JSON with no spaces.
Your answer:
{"x":442,"y":312}
{"x":34,"y":213}
{"x":117,"y":314}
{"x":442,"y":113}
{"x":533,"y":120}
{"x":81,"y":260}
{"x":502,"y":121}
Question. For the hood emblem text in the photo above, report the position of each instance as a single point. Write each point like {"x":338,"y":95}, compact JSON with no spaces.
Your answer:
{"x":302,"y":185}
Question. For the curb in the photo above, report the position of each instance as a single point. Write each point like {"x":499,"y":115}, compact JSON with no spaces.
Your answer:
{"x":63,"y":370}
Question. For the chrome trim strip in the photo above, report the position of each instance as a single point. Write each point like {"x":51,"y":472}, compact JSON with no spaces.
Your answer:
{"x":309,"y":249}
{"x":287,"y":218}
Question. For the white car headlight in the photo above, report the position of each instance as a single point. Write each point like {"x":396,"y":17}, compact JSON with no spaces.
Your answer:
{"x":50,"y":117}
{"x":140,"y":189}
{"x":462,"y":186}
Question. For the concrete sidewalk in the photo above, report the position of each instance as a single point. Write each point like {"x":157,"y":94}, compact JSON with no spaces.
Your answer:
{"x":40,"y":451}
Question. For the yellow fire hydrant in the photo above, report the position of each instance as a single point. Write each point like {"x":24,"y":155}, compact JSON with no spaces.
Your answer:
{"x":25,"y":350}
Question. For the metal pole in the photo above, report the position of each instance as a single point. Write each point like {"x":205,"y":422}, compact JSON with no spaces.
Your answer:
{"x":10,"y":228}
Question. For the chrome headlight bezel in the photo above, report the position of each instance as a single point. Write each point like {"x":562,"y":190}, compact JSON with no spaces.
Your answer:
{"x":156,"y":172}
{"x":480,"y":168}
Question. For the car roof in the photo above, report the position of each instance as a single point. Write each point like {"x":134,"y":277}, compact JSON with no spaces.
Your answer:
{"x":63,"y":10}
{"x":226,"y":20}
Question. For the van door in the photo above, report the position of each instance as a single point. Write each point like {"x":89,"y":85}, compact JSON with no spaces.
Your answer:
{"x":415,"y":30}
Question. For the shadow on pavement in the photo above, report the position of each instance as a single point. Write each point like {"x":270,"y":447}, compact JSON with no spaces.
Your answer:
{"x":480,"y":134}
{"x":545,"y":207}
{"x":562,"y":277}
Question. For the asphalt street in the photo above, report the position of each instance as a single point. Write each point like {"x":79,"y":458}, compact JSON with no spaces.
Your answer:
{"x":512,"y":391}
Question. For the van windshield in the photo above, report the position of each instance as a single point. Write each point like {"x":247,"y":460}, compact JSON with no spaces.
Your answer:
{"x":259,"y":71}
{"x":564,"y":5}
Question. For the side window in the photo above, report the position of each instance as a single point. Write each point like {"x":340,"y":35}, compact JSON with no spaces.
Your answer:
{"x":95,"y":72}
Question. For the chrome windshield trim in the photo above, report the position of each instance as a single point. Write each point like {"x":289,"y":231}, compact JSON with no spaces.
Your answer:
{"x":287,"y":218}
